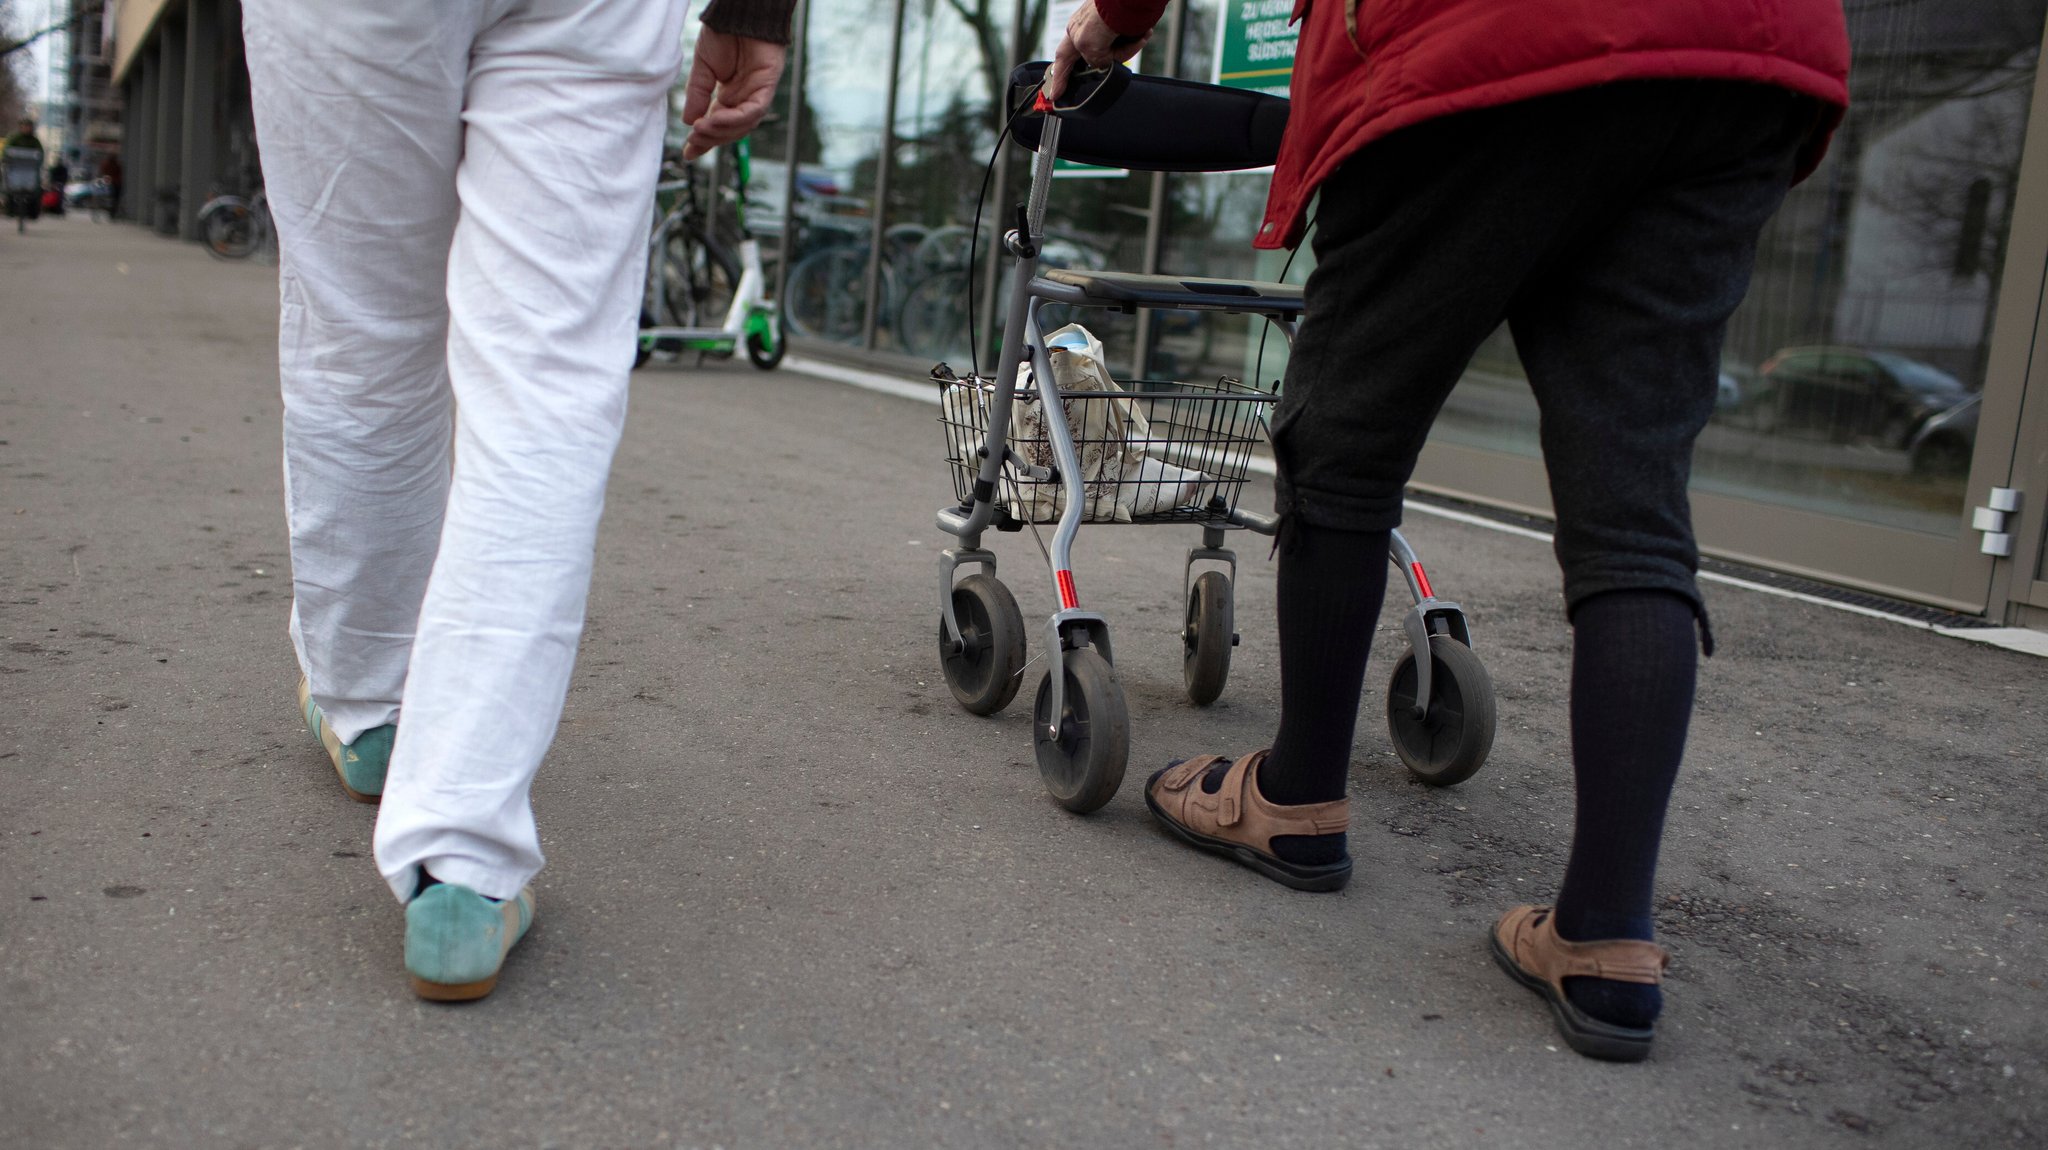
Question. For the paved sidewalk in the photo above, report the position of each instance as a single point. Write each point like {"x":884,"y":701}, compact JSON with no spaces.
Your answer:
{"x":796,"y":897}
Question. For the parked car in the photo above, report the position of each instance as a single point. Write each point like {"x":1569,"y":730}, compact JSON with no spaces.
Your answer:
{"x":1849,"y":395}
{"x":1944,"y":444}
{"x":1737,"y":384}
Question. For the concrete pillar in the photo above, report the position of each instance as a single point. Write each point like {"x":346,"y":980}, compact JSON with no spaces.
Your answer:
{"x":202,"y":58}
{"x":138,"y":163}
{"x":170,"y":108}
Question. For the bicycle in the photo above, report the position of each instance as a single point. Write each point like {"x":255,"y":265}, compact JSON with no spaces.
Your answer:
{"x":235,"y":228}
{"x":692,"y":276}
{"x":99,"y":200}
{"x":826,"y":294}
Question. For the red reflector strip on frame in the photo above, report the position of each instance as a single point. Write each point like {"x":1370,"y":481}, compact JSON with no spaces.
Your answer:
{"x":1422,"y":581}
{"x":1068,"y":600}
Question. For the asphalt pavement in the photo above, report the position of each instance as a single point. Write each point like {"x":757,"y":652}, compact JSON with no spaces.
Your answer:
{"x":796,"y":897}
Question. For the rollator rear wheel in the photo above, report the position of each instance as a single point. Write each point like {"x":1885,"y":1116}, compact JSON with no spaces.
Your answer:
{"x":986,"y":671}
{"x":1207,"y":637}
{"x":1449,"y":743}
{"x":1084,"y":766}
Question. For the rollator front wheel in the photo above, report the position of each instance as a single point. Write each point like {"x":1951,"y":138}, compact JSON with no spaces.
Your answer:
{"x":986,"y":670}
{"x":1083,"y":767}
{"x":1207,"y":637}
{"x":1451,"y":741}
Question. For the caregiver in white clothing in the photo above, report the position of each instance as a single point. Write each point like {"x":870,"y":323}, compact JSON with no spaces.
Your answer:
{"x":462,"y":190}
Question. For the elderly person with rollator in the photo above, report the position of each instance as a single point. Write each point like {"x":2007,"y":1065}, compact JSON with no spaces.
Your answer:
{"x":1595,"y":176}
{"x":462,"y":190}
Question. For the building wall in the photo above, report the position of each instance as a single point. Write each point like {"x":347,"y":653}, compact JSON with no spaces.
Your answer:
{"x":189,"y":132}
{"x":133,"y":20}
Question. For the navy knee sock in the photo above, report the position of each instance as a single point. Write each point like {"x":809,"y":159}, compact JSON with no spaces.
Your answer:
{"x":1330,"y":587}
{"x":1634,"y":662}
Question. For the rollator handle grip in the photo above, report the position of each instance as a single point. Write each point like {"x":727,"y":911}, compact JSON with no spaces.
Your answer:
{"x":1089,"y":93}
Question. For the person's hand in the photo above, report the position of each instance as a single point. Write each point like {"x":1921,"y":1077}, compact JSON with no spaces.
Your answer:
{"x":1088,"y":40}
{"x":731,"y":85}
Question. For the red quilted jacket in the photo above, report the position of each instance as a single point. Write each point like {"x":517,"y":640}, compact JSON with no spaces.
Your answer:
{"x":1365,"y":68}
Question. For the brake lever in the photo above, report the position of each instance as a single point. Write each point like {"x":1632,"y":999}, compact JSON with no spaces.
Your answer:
{"x":1097,"y":89}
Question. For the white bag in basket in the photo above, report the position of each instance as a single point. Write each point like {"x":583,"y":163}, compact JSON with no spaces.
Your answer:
{"x":1118,"y":479}
{"x":1111,"y":436}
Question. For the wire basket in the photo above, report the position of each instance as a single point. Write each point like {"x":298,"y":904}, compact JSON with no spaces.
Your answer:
{"x":1158,"y":452}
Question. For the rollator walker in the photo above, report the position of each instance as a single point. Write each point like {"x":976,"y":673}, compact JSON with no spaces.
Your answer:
{"x":1192,"y":452}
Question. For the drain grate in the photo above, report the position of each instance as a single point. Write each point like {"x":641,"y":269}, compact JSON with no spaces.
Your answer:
{"x":1916,"y":612}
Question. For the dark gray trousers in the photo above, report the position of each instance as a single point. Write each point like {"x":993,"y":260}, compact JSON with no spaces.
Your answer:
{"x":1613,"y":229}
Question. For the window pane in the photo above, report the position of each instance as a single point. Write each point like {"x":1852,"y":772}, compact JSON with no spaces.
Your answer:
{"x":1850,"y":376}
{"x":846,"y":96}
{"x":1210,"y":222}
{"x":1095,"y":219}
{"x":1890,"y":257}
{"x":955,"y":61}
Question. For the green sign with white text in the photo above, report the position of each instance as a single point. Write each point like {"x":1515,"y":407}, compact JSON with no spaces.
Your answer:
{"x":1255,"y":45}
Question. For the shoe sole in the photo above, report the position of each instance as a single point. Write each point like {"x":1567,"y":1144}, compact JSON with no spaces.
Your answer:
{"x":453,"y":991}
{"x":1580,"y":1031}
{"x":1313,"y":879}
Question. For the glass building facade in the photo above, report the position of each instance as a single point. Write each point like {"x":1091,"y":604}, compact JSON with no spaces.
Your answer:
{"x":1883,"y":414}
{"x":1874,"y":388}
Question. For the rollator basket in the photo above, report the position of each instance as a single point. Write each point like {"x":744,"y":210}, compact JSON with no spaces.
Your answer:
{"x":1156,"y":452}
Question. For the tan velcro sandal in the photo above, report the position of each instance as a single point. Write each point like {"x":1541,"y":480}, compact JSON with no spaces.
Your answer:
{"x":1238,"y":823}
{"x":1527,"y":946}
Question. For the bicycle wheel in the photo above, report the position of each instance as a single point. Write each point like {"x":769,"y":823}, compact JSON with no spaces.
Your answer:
{"x":231,"y":232}
{"x":698,"y":278}
{"x":932,"y":323}
{"x":824,"y":300}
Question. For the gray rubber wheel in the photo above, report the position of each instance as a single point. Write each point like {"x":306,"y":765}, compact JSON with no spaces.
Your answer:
{"x":1207,"y":637}
{"x":1449,"y":743}
{"x":985,"y":672}
{"x":1084,"y":766}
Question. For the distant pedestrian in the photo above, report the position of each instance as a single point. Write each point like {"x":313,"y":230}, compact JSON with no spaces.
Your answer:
{"x":110,"y":171}
{"x":60,"y":178}
{"x":21,"y":169}
{"x":1595,"y":176}
{"x":461,"y":191}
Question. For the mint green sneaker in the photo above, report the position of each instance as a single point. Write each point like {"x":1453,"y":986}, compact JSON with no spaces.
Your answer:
{"x":456,"y":939}
{"x":360,"y":764}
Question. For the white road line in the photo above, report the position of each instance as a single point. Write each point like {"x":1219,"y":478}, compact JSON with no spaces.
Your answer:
{"x":865,"y":380}
{"x":2021,"y":639}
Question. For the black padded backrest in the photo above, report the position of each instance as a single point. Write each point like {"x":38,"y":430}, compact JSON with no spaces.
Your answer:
{"x":1161,"y":125}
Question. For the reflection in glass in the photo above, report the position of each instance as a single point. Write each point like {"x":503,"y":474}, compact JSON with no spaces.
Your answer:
{"x":1210,"y":222}
{"x":1851,"y":373}
{"x":947,"y":114}
{"x":845,"y":94}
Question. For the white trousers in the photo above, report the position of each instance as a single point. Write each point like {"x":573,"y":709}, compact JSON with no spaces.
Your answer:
{"x":462,"y":191}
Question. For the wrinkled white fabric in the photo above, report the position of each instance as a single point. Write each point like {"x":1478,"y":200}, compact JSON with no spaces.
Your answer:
{"x":461,"y":190}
